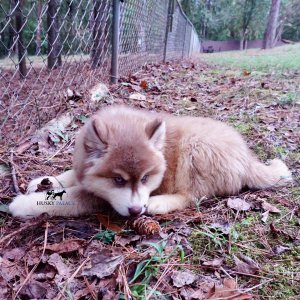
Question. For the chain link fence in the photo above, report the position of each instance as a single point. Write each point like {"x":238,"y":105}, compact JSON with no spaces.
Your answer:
{"x":48,"y":47}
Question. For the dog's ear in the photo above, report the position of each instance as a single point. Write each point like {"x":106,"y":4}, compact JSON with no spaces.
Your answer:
{"x":156,"y":131}
{"x":95,"y":140}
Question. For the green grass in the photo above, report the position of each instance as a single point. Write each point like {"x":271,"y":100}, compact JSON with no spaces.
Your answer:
{"x":149,"y":268}
{"x":248,"y":236}
{"x":279,"y":59}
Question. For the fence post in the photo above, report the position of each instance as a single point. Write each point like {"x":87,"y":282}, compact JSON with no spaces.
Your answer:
{"x":168,"y":28}
{"x":115,"y":41}
{"x":184,"y":37}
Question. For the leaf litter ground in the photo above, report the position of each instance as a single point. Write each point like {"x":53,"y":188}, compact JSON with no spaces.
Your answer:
{"x":242,"y":247}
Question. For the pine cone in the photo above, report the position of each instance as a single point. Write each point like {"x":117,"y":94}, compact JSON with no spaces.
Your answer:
{"x":144,"y":225}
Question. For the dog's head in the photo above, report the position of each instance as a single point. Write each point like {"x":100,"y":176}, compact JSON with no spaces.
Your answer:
{"x":119,"y":157}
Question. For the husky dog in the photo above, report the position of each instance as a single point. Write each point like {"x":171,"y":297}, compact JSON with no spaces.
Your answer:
{"x":150,"y":162}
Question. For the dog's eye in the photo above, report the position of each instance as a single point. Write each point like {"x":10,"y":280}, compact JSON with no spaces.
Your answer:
{"x":119,"y":181}
{"x":145,"y":179}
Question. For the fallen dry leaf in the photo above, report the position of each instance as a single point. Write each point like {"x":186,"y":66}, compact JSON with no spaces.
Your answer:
{"x":223,"y":225}
{"x":144,"y":84}
{"x":279,"y":249}
{"x":238,"y":204}
{"x":65,"y":246}
{"x":99,"y":92}
{"x":105,"y":221}
{"x":181,"y":278}
{"x":228,"y":291}
{"x":138,"y":97}
{"x":216,"y":263}
{"x":9,"y":270}
{"x":56,"y":261}
{"x":14,"y":254}
{"x":103,"y":263}
{"x":191,"y":108}
{"x":265,"y":216}
{"x":244,"y":264}
{"x":23,"y":147}
{"x":269,"y":207}
{"x":35,"y":290}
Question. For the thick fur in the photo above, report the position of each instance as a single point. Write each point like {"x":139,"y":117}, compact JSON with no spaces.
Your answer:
{"x":141,"y":161}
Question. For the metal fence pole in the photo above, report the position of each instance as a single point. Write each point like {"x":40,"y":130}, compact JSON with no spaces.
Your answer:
{"x":184,"y":41}
{"x":115,"y":41}
{"x":168,"y":27}
{"x":191,"y":40}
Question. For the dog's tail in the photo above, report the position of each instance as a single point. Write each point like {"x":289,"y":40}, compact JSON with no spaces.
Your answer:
{"x":261,"y":176}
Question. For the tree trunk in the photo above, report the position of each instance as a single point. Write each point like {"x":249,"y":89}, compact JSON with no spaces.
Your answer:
{"x":243,"y":39}
{"x":72,"y":27}
{"x":38,"y":37}
{"x":279,"y":32}
{"x":11,"y":46}
{"x":21,"y":48}
{"x":100,"y":32}
{"x":54,"y":45}
{"x":242,"y":43}
{"x":270,"y":33}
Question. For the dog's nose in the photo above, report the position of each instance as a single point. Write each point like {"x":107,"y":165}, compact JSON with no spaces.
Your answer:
{"x":135,"y":210}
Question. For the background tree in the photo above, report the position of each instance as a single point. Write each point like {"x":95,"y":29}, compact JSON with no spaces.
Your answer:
{"x":241,"y":19}
{"x":20,"y":22}
{"x":38,"y":35}
{"x":270,"y":33}
{"x":54,"y":44}
{"x":288,"y":26}
{"x":100,"y":30}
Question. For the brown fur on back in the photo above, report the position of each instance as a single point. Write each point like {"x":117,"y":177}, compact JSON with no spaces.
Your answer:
{"x":204,"y":157}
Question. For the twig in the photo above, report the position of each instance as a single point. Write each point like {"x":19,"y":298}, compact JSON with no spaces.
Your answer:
{"x":259,"y":251}
{"x":241,"y":292}
{"x":71,"y":278}
{"x":285,"y":215}
{"x":225,"y":272}
{"x":258,"y":285}
{"x":163,"y":275}
{"x":36,"y":265}
{"x":13,"y":173}
{"x":59,"y":150}
{"x":127,"y":291}
{"x":250,"y":275}
{"x":90,"y":288}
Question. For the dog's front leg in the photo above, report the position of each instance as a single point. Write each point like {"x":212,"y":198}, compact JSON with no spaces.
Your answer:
{"x":163,"y":204}
{"x":74,"y":202}
{"x":64,"y":180}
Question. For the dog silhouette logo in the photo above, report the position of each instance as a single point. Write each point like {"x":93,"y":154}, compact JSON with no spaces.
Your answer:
{"x":53,"y":194}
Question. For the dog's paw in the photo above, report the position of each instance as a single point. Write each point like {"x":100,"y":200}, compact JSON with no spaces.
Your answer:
{"x":33,"y":184}
{"x":23,"y":206}
{"x":156,"y":206}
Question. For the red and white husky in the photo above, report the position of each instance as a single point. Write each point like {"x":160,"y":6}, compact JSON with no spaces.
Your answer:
{"x":147,"y":162}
